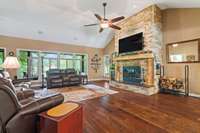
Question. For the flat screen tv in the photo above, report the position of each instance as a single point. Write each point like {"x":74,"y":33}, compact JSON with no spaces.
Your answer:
{"x":131,"y":43}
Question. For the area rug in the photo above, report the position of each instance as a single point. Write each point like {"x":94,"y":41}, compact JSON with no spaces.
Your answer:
{"x":100,"y":89}
{"x":84,"y":92}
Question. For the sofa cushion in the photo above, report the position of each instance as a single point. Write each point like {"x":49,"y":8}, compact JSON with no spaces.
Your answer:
{"x":55,"y":76}
{"x":56,"y":80}
{"x":70,"y":71}
{"x":65,"y":78}
{"x":74,"y":79}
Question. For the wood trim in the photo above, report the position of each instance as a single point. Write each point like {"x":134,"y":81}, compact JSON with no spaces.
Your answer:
{"x":184,"y":62}
{"x":134,"y":57}
{"x":197,"y":39}
{"x":199,"y":50}
{"x":169,"y":44}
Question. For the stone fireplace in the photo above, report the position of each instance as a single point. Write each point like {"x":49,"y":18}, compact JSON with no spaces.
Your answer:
{"x":137,"y":71}
{"x":134,"y":72}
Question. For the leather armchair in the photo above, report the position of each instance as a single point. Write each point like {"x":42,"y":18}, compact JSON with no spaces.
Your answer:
{"x":19,"y":91}
{"x":25,"y":83}
{"x":17,"y":118}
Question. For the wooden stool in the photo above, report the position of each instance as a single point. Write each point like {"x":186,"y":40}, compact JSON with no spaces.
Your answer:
{"x":65,"y":118}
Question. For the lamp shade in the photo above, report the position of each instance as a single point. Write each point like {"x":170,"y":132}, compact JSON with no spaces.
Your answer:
{"x":11,"y":62}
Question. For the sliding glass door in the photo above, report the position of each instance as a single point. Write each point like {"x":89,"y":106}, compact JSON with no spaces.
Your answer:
{"x":31,"y":62}
{"x":50,"y":61}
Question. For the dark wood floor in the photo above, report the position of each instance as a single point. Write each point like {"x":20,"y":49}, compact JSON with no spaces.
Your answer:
{"x":128,"y":112}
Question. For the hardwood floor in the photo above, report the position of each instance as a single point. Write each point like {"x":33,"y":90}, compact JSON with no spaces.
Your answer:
{"x":128,"y":112}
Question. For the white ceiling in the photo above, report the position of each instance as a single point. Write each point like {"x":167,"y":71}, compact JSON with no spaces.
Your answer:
{"x":62,"y":20}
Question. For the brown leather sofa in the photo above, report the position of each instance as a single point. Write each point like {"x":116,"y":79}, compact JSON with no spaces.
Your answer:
{"x":22,"y":118}
{"x":60,"y":78}
{"x":54,"y":78}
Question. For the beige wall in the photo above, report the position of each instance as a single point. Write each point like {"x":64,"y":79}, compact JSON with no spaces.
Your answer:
{"x":110,"y":47}
{"x":12,"y":44}
{"x":181,"y":25}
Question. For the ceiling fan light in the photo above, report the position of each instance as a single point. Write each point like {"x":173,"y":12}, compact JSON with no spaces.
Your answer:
{"x":104,"y":25}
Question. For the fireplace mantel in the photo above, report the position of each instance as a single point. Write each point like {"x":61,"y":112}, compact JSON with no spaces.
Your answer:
{"x":134,"y":57}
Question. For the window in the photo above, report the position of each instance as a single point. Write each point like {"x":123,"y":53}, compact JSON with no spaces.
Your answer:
{"x":78,"y":62}
{"x":106,"y":65}
{"x":31,"y":62}
{"x":1,"y":57}
{"x":66,"y":61}
{"x":33,"y":72}
{"x":50,"y":61}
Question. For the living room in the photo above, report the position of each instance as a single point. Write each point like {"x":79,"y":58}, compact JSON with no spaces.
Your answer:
{"x":99,"y":66}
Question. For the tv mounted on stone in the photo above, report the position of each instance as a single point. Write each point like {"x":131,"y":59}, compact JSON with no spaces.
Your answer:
{"x":131,"y":44}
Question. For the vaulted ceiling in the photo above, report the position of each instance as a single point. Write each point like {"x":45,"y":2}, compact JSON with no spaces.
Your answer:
{"x":62,"y":20}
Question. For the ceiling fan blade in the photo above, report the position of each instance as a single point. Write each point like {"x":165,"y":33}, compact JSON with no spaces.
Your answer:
{"x":98,"y":17}
{"x":91,"y":25}
{"x":101,"y":29}
{"x":115,"y":27}
{"x":117,"y":19}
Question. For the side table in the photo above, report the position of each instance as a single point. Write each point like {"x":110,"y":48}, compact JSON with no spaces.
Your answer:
{"x":84,"y":79}
{"x":65,"y":118}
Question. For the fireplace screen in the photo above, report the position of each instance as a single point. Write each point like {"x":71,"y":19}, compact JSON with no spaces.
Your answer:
{"x":133,"y":75}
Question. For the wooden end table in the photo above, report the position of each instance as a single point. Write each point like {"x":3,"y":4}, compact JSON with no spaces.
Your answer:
{"x":84,"y":79}
{"x":65,"y":118}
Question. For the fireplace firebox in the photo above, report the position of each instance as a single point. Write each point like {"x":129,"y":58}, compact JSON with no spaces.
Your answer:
{"x":133,"y":75}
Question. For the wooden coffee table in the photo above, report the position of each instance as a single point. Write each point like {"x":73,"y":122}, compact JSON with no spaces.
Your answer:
{"x":65,"y":118}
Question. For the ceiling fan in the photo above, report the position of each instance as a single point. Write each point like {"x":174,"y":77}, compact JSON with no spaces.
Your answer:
{"x":104,"y":22}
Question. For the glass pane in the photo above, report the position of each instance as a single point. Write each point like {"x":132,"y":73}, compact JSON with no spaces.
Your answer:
{"x":78,"y":57}
{"x":35,"y":64}
{"x":106,"y":66}
{"x":69,"y":63}
{"x":34,"y":54}
{"x":49,"y":55}
{"x":1,"y":58}
{"x":66,"y":56}
{"x":63,"y":64}
{"x":53,"y":64}
{"x":77,"y":65}
{"x":85,"y":65}
{"x":23,"y":60}
{"x":46,"y":64}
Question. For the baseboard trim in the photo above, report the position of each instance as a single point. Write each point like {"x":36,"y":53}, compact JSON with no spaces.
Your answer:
{"x":100,"y":79}
{"x":194,"y":95}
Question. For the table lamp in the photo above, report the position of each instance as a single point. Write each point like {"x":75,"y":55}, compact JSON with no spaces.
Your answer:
{"x":11,"y":62}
